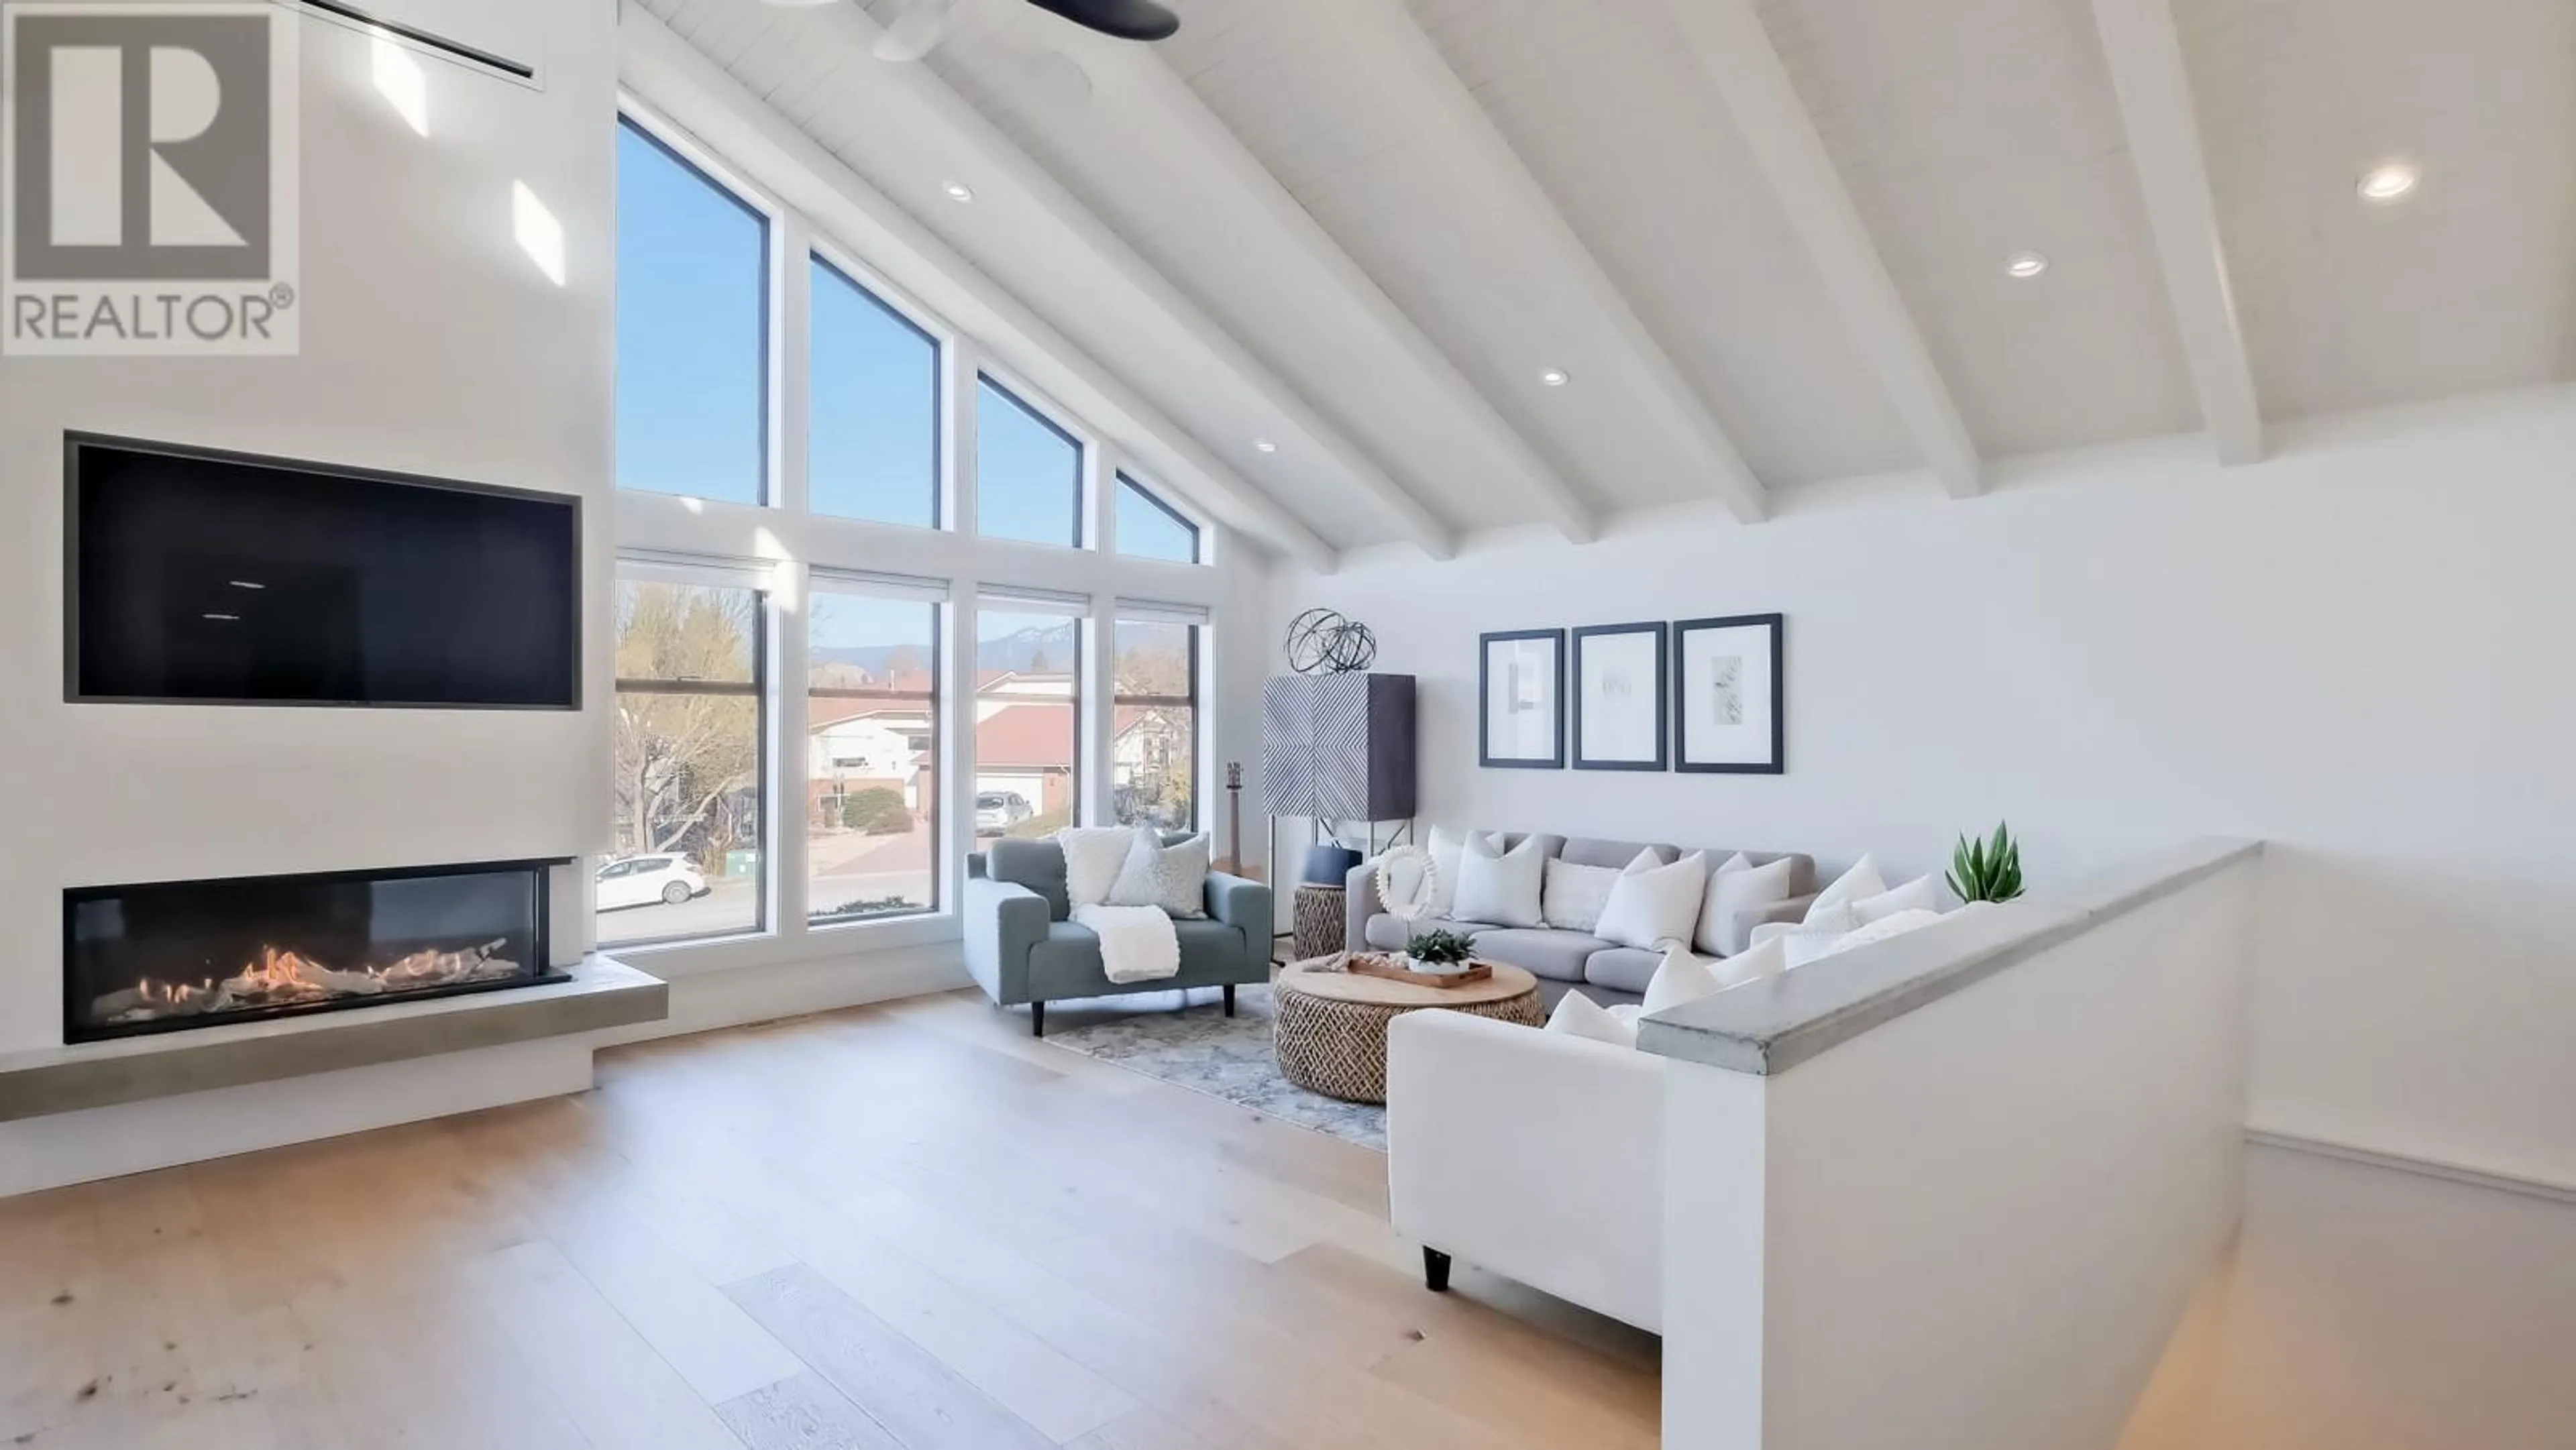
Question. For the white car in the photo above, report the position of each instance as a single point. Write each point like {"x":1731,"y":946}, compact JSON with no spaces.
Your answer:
{"x":997,"y":811}
{"x":643,"y":880}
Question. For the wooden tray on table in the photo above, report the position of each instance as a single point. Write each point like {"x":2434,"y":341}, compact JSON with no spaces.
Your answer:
{"x":1375,"y":964}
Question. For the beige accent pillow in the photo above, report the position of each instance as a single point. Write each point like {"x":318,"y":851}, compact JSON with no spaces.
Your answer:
{"x":1171,"y":877}
{"x":1574,"y":896}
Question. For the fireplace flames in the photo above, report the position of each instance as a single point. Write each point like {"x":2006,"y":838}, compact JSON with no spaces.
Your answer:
{"x":284,"y":978}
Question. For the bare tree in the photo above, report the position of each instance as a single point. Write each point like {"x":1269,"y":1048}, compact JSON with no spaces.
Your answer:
{"x":688,"y":752}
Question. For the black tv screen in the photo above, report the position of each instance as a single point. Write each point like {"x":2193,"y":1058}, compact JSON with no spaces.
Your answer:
{"x":208,"y":577}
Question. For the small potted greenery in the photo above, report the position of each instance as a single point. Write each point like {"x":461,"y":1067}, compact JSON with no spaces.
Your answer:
{"x":1987,"y":870}
{"x":1441,"y":953}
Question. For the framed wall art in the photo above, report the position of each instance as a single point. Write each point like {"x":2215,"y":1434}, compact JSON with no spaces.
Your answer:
{"x":1520,"y":722}
{"x":1729,"y":684}
{"x":1619,"y":687}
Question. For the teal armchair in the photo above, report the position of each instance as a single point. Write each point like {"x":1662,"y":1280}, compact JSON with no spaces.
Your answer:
{"x":1023,"y":947}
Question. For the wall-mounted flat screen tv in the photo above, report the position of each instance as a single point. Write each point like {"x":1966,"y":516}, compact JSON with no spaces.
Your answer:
{"x":219,"y":578}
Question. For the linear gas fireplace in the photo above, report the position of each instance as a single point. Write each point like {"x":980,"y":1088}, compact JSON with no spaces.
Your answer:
{"x":180,"y":954}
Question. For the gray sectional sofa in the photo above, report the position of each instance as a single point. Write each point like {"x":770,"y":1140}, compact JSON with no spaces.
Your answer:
{"x":1561,"y":960}
{"x":1021,"y":945}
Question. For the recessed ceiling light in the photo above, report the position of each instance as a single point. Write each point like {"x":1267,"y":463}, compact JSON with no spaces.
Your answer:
{"x":1265,"y":445}
{"x":1553,"y":377}
{"x":2389,"y":180}
{"x":959,"y":191}
{"x":2025,"y":264}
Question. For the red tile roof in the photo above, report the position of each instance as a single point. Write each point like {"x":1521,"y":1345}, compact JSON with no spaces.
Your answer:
{"x":1025,"y":736}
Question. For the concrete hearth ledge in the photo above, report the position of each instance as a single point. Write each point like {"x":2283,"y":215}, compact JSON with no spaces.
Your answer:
{"x":1770,"y":1026}
{"x":603,"y":993}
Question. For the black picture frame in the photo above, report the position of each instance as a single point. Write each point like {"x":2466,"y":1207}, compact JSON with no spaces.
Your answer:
{"x":1775,"y":626}
{"x":1485,"y":757}
{"x":1659,"y":709}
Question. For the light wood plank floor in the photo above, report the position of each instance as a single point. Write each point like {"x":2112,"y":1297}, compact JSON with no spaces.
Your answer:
{"x":905,"y":1226}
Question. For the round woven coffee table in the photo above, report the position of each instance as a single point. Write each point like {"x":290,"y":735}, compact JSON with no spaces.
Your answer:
{"x":1329,"y":1026}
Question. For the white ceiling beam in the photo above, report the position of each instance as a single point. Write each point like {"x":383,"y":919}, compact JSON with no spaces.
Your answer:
{"x":2154,"y":90}
{"x":935,"y":106}
{"x":1136,"y":73}
{"x":679,"y":83}
{"x":1451,"y":129}
{"x":1736,"y":53}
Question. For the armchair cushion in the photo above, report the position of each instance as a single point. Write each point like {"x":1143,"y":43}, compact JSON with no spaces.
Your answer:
{"x":1067,"y":962}
{"x":1035,"y":864}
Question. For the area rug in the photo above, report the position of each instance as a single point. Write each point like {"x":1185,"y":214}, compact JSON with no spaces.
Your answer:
{"x":1202,"y":1049}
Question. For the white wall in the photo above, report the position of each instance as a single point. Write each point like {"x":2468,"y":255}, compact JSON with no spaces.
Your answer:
{"x":2367,"y":1309}
{"x":2356,"y":651}
{"x":431,"y":344}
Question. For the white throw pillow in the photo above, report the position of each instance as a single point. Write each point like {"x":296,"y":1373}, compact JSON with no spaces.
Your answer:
{"x":1657,"y":907}
{"x":1093,"y":857}
{"x":1580,"y":1016}
{"x":1862,"y":880}
{"x":1499,"y":886}
{"x":1682,"y":978}
{"x":1171,"y":877}
{"x":1446,"y":845}
{"x":1894,"y":924}
{"x":1733,"y":891}
{"x":1923,"y":893}
{"x":1751,"y":965}
{"x":1573,"y":896}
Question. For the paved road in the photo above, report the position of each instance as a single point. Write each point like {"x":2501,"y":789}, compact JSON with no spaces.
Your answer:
{"x":732,"y":906}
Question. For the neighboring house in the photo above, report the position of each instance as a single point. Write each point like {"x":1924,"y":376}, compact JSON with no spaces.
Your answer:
{"x":1151,"y":756}
{"x":1024,"y":745}
{"x":1028,"y":751}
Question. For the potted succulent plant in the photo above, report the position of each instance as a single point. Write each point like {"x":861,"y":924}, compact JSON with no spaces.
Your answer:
{"x":1441,"y":953}
{"x":1987,"y":870}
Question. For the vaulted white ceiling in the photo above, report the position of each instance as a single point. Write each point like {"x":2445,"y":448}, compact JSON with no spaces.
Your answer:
{"x":1765,"y":240}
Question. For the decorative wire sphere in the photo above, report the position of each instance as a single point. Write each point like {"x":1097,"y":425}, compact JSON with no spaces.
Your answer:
{"x":1322,"y":641}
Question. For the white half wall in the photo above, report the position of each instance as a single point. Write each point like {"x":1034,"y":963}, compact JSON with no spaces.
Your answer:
{"x":431,"y":344}
{"x":1976,"y":1225}
{"x":2353,"y":651}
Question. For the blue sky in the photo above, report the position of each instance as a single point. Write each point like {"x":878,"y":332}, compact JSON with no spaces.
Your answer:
{"x":690,"y":352}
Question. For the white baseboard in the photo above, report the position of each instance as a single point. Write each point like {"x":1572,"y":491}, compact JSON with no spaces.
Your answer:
{"x":706,"y":1001}
{"x":110,"y":1142}
{"x":2554,"y":1190}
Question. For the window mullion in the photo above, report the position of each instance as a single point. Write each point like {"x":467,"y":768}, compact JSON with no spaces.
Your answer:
{"x":791,"y":363}
{"x":791,"y":808}
{"x":957,"y":763}
{"x":958,"y":400}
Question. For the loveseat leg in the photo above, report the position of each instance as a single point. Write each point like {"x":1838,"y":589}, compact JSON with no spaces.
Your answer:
{"x":1435,"y":1270}
{"x":1037,"y":1019}
{"x":1229,"y":999}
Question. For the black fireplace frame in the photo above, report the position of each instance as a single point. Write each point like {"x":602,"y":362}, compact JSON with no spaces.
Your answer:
{"x":546,"y":972}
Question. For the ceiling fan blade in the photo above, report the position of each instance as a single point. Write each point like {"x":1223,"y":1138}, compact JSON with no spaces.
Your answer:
{"x":1125,"y":19}
{"x":915,"y":32}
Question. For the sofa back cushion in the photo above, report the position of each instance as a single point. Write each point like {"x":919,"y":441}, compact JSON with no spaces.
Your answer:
{"x":1589,"y":851}
{"x":1035,"y":864}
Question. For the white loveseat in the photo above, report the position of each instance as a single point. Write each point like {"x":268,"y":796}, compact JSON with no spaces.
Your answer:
{"x":1539,"y":1155}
